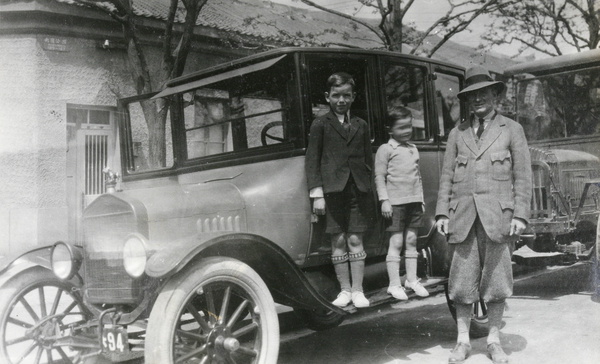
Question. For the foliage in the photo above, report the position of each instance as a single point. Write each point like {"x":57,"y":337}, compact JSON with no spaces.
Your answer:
{"x":552,"y":27}
{"x":394,"y":31}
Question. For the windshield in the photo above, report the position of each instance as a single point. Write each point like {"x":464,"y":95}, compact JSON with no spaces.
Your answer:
{"x":561,"y":105}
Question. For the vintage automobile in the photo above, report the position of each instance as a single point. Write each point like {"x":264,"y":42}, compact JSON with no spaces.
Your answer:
{"x":209,"y":231}
{"x":557,"y":101}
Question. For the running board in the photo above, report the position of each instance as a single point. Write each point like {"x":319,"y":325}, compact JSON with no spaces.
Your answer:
{"x":380,"y":296}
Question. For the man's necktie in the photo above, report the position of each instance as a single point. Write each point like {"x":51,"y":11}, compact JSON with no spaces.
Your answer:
{"x":480,"y":129}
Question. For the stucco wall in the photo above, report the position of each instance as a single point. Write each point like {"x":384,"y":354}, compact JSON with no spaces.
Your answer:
{"x":19,"y":102}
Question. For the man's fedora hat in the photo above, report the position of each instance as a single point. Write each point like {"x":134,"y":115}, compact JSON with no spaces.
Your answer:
{"x":478,"y":78}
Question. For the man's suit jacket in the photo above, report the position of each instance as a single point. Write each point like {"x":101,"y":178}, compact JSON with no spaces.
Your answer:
{"x":334,"y":154}
{"x":491,"y":180}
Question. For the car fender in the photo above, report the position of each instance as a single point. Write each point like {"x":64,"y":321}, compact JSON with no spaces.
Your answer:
{"x":287,"y":283}
{"x":17,"y":263}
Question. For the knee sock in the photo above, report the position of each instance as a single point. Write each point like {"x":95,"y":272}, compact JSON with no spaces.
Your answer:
{"x":393,"y":268}
{"x":357,"y":269}
{"x":463,"y":322}
{"x":495,"y":310}
{"x":410,"y":261}
{"x":342,"y":270}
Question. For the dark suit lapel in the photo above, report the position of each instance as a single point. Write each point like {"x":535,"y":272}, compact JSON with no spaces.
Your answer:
{"x":354,"y":126}
{"x":491,"y":134}
{"x":337,"y":126}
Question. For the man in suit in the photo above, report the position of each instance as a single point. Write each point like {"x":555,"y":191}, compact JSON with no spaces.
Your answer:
{"x":338,"y":168}
{"x":483,"y":207}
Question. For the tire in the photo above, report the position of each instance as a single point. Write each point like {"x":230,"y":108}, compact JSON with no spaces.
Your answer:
{"x":480,"y":326}
{"x":319,"y":320}
{"x":26,"y":300}
{"x":217,"y":311}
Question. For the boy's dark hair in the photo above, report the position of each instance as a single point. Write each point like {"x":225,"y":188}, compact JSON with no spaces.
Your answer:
{"x":339,"y":79}
{"x":395,"y":113}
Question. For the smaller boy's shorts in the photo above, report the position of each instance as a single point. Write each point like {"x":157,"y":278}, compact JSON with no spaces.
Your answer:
{"x":349,"y":211}
{"x":405,"y":216}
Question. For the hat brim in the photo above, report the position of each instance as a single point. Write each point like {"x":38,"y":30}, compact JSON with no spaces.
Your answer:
{"x":498,"y":85}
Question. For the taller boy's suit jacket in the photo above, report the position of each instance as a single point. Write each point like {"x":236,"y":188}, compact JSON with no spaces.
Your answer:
{"x":491,"y":180}
{"x":334,"y":154}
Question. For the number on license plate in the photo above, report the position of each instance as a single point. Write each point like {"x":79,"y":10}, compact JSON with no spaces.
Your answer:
{"x":115,"y":340}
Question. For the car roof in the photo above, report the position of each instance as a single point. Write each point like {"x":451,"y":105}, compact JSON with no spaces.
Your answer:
{"x":557,"y":64}
{"x":290,"y":50}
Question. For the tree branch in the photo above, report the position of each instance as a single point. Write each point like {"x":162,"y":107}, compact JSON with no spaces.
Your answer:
{"x":346,"y":16}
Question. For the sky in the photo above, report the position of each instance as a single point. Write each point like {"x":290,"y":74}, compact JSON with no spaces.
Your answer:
{"x":423,"y":13}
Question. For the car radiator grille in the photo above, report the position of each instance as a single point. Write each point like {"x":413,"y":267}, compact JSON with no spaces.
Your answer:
{"x":105,"y":277}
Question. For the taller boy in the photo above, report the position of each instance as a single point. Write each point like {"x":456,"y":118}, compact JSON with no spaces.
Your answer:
{"x":339,"y":161}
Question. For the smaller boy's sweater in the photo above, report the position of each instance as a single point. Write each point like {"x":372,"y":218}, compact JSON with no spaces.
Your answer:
{"x":397,"y":175}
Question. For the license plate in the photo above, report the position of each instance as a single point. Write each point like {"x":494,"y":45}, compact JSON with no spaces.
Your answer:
{"x":114,"y":340}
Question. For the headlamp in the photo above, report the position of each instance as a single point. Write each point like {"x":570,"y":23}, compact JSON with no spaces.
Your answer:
{"x":134,"y":255}
{"x":65,"y":260}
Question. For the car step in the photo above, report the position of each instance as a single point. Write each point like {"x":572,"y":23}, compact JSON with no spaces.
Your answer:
{"x":380,"y":296}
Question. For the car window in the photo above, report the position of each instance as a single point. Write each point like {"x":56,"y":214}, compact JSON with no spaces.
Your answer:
{"x":238,"y":114}
{"x":447,"y":102}
{"x":404,"y":86}
{"x":152,"y":142}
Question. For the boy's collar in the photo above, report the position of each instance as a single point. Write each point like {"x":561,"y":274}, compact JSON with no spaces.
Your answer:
{"x":395,"y":144}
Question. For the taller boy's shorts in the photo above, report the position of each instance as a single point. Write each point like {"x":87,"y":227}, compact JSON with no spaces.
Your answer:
{"x":350,"y":211}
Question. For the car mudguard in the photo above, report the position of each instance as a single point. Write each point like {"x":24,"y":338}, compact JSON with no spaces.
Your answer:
{"x":16,"y":263}
{"x":287,"y":283}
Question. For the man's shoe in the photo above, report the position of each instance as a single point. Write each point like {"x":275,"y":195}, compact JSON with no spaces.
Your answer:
{"x":397,"y":292}
{"x":359,"y":300}
{"x":343,"y":299}
{"x":417,"y":287}
{"x":460,"y":352}
{"x":497,"y":354}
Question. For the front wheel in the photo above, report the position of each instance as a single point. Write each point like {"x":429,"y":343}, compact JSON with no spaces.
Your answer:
{"x":219,"y":311}
{"x":480,"y":326}
{"x":40,"y":316}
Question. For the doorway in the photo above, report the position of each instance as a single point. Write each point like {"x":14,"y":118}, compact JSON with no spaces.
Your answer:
{"x":91,"y":147}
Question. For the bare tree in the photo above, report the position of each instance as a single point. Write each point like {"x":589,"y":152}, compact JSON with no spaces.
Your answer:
{"x":549,"y":27}
{"x":394,"y":31}
{"x":174,"y":56}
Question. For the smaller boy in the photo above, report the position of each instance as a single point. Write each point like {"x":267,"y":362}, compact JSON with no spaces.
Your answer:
{"x":400,"y":191}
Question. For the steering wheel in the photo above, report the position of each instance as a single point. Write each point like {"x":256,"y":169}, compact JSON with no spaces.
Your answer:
{"x":264,"y":133}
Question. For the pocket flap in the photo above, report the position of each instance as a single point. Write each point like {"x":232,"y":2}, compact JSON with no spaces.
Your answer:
{"x":452,"y":205}
{"x":461,"y":159}
{"x":500,"y":156}
{"x":504,"y":205}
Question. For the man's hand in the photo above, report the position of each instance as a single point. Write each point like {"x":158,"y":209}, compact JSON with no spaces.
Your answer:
{"x":386,"y":209}
{"x":517,"y":227}
{"x":442,"y":225}
{"x":319,"y":206}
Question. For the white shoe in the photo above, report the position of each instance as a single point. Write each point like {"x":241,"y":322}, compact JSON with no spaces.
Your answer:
{"x":343,"y":299}
{"x":359,"y":299}
{"x":397,"y":292}
{"x":417,"y":287}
